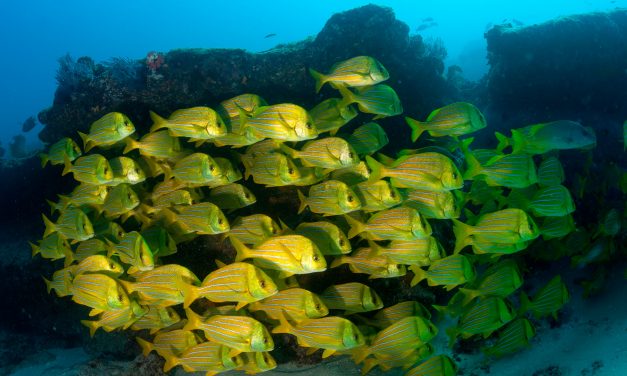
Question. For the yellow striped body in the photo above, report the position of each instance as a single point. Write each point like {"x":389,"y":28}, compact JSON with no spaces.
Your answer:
{"x":98,"y":264}
{"x":329,"y":333}
{"x":351,"y":297}
{"x":159,"y":145}
{"x":433,"y":204}
{"x":99,"y":291}
{"x":356,"y":71}
{"x":329,"y":239}
{"x":285,"y":121}
{"x":368,"y":138}
{"x":164,"y":286}
{"x":203,"y":218}
{"x":331,"y":114}
{"x":420,"y":252}
{"x":134,"y":251}
{"x":400,"y":223}
{"x":88,"y":248}
{"x":430,"y":171}
{"x":120,"y":200}
{"x":61,"y":282}
{"x":115,"y":319}
{"x":550,"y":172}
{"x":389,"y":315}
{"x":376,"y":196}
{"x":329,"y":152}
{"x":208,"y":357}
{"x":254,"y":229}
{"x":170,"y":343}
{"x":197,"y":123}
{"x":91,"y":169}
{"x":331,"y":197}
{"x":274,"y":170}
{"x":108,"y":130}
{"x":407,"y":333}
{"x":298,"y":304}
{"x":126,"y":170}
{"x":156,"y":318}
{"x":363,"y":261}
{"x":53,"y":246}
{"x":450,"y":271}
{"x":238,"y":282}
{"x":60,"y":150}
{"x":72,"y":224}
{"x":232,"y":196}
{"x":197,"y":168}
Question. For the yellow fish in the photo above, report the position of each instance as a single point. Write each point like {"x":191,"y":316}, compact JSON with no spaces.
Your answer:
{"x":257,"y":362}
{"x":364,"y":261}
{"x":72,"y":224}
{"x":380,"y":100}
{"x":158,"y":145}
{"x":295,"y":303}
{"x":389,"y":315}
{"x":331,"y":197}
{"x":431,"y":204}
{"x":356,"y":71}
{"x":203,"y":218}
{"x":450,"y":272}
{"x":100,"y":292}
{"x":134,"y":251}
{"x":550,"y":172}
{"x":209,"y":357}
{"x":126,"y":170}
{"x":351,"y":297}
{"x":484,"y":316}
{"x":544,"y":137}
{"x":254,"y":229}
{"x":401,"y":223}
{"x":196,"y":169}
{"x":61,"y":282}
{"x":547,"y":301}
{"x":88,"y":248}
{"x":120,"y":201}
{"x":166,"y":285}
{"x":59,"y":151}
{"x":98,"y":264}
{"x":285,"y":121}
{"x":456,"y":119}
{"x":327,"y":236}
{"x":368,"y":138}
{"x":440,"y":365}
{"x":108,"y":130}
{"x":173,"y":342}
{"x":53,"y":247}
{"x":116,"y":319}
{"x":156,"y":318}
{"x":232,"y":196}
{"x":378,"y":195}
{"x":419,"y":252}
{"x":91,"y":169}
{"x":328,"y":152}
{"x":274,"y":170}
{"x":330,"y":115}
{"x":197,"y":123}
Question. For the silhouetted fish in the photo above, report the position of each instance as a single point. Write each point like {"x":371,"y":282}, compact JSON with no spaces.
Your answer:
{"x":28,"y":124}
{"x":270,"y":35}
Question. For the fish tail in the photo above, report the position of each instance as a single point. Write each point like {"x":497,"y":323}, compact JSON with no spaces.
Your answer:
{"x":48,"y":284}
{"x":284,"y":325}
{"x":171,"y":361}
{"x":243,"y":252}
{"x":146,"y":346}
{"x":303,"y":201}
{"x":347,"y":96}
{"x":193,"y":320}
{"x":376,"y":167}
{"x":44,"y":159}
{"x":338,"y":261}
{"x":34,"y":249}
{"x":130,"y":145}
{"x":416,"y":128}
{"x":191,"y":294}
{"x":419,"y":275}
{"x":69,"y":256}
{"x":92,"y":325}
{"x":357,"y":227}
{"x":518,"y":141}
{"x":50,"y":227}
{"x":469,"y":295}
{"x":157,"y":121}
{"x":504,"y":141}
{"x":462,"y":233}
{"x":289,"y":151}
{"x":360,"y":354}
{"x":319,"y":78}
{"x":67,"y":166}
{"x":86,"y":141}
{"x":473,"y":167}
{"x":369,"y":364}
{"x":452,"y":333}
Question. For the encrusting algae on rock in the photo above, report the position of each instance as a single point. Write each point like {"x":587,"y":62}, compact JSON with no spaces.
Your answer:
{"x":147,"y":195}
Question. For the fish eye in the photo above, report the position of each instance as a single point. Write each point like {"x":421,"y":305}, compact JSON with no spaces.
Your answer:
{"x":368,"y":170}
{"x":265,"y":357}
{"x":246,"y":195}
{"x":341,"y":242}
{"x":120,"y":297}
{"x":356,"y":337}
{"x":350,"y":198}
{"x":274,"y":230}
{"x":265,"y":339}
{"x":318,"y":306}
{"x":309,"y":125}
{"x":220,"y":221}
{"x":350,"y":154}
{"x":454,"y":175}
{"x":290,"y":171}
{"x":316,"y":258}
{"x":392,"y":194}
{"x":262,"y":283}
{"x":212,"y":167}
{"x":111,"y":266}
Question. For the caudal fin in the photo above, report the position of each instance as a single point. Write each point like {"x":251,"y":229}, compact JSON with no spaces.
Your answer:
{"x":44,"y":159}
{"x":92,"y":325}
{"x":357,"y":227}
{"x":504,"y":141}
{"x":86,"y":141}
{"x":131,"y":144}
{"x":376,"y":168}
{"x":462,"y":233}
{"x":284,"y":326}
{"x":146,"y":346}
{"x":416,"y":128}
{"x":419,"y":275}
{"x":171,"y":361}
{"x":50,"y":227}
{"x":473,"y":167}
{"x":243,"y":252}
{"x":157,"y":122}
{"x":67,"y":166}
{"x":318,"y":77}
{"x":303,"y":201}
{"x":191,"y":294}
{"x":347,"y":96}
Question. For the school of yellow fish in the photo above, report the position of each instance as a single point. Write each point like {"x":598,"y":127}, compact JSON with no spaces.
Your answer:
{"x":139,"y":197}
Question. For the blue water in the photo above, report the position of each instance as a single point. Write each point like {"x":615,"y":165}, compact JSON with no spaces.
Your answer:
{"x":34,"y":34}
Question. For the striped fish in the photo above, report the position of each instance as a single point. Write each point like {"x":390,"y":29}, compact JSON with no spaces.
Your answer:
{"x":156,"y":318}
{"x":431,"y":171}
{"x":352,"y":175}
{"x":376,"y":196}
{"x":330,"y":115}
{"x":98,"y":264}
{"x":159,"y":241}
{"x":237,"y":140}
{"x":552,"y":201}
{"x":108,"y":130}
{"x":171,"y":199}
{"x":158,"y":145}
{"x":240,"y":333}
{"x":404,"y":359}
{"x":196,"y":169}
{"x":126,"y":170}
{"x":257,"y":152}
{"x":285,"y":121}
{"x":331,"y":197}
{"x":290,"y":254}
{"x":456,"y":119}
{"x":440,"y":365}
{"x":389,"y":315}
{"x":72,"y":224}
{"x":356,"y":71}
{"x":419,"y":252}
{"x":88,"y":248}
{"x":351,"y":297}
{"x":380,"y":100}
{"x":197,"y":123}
{"x":364,"y":261}
{"x":405,"y":334}
{"x":550,"y":172}
{"x":480,"y":247}
{"x":328,"y":152}
{"x":484,"y":316}
{"x":63,"y":149}
{"x":514,"y":337}
{"x":90,"y":169}
{"x":230,"y":173}
{"x":246,"y":103}
{"x":274,"y":170}
{"x":329,"y":239}
{"x":400,"y":223}
{"x":209,"y":357}
{"x":83,"y":194}
{"x":238,"y":282}
{"x":330,"y":333}
{"x":165,"y":187}
{"x":557,"y":227}
{"x":171,"y":343}
{"x":203,"y":218}
{"x":162,"y":286}
{"x":254,"y":229}
{"x":134,"y":251}
{"x":108,"y":230}
{"x":368,"y":138}
{"x":296,"y":303}
{"x":432,"y":204}
{"x":508,"y":170}
{"x":449,"y":272}
{"x":121,"y":200}
{"x":547,"y":301}
{"x":61,"y":282}
{"x":257,"y":362}
{"x":501,"y":279}
{"x":53,"y":247}
{"x":115,"y":319}
{"x":100,"y":292}
{"x":507,"y":226}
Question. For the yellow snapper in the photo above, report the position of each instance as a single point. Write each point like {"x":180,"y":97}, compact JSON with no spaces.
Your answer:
{"x":108,"y":130}
{"x":329,"y":239}
{"x":158,"y":145}
{"x":330,"y":115}
{"x":238,"y":282}
{"x":197,"y":123}
{"x":173,"y":342}
{"x":376,"y":196}
{"x":419,"y":252}
{"x":257,"y":152}
{"x":164,"y":286}
{"x":257,"y":362}
{"x":285,"y":121}
{"x":484,"y":316}
{"x":61,"y":282}
{"x":274,"y":170}
{"x":331,"y":197}
{"x":98,"y":264}
{"x":351,"y":297}
{"x":363,"y":260}
{"x":440,"y":365}
{"x":368,"y":138}
{"x":550,"y":172}
{"x":400,"y":223}
{"x":246,"y":103}
{"x":116,"y":319}
{"x":134,"y":251}
{"x":296,"y":303}
{"x":430,"y":171}
{"x":72,"y":224}
{"x":449,"y":272}
{"x":126,"y":170}
{"x":290,"y":254}
{"x":352,"y":175}
{"x":356,"y":71}
{"x":59,"y":151}
{"x":330,"y":333}
{"x":171,"y":199}
{"x":88,"y":248}
{"x":120,"y":201}
{"x":508,"y":170}
{"x":232,"y":196}
{"x":507,"y":226}
{"x":91,"y":169}
{"x":515,"y":336}
{"x":456,"y":119}
{"x":240,"y":333}
{"x":53,"y":247}
{"x":83,"y":194}
{"x":229,"y":175}
{"x":254,"y":229}
{"x":196,"y":169}
{"x":433,"y":204}
{"x":501,"y":279}
{"x":403,"y":359}
{"x":544,"y":137}
{"x":329,"y":152}
{"x":557,"y":227}
{"x":100,"y":292}
{"x":380,"y":100}
{"x":389,"y":315}
{"x":209,"y":357}
{"x":203,"y":218}
{"x":156,"y":318}
{"x":552,"y":201}
{"x":547,"y":301}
